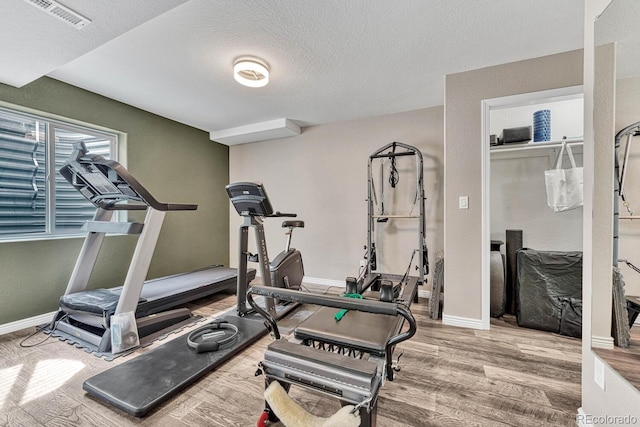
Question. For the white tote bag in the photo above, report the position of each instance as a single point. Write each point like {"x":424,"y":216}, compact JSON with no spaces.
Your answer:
{"x":564,"y":186}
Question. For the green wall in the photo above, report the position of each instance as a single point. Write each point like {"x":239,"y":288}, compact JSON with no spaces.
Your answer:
{"x":177,"y":163}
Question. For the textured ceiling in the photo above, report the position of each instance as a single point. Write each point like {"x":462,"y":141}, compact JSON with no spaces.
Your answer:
{"x":330,"y":60}
{"x":34,"y":43}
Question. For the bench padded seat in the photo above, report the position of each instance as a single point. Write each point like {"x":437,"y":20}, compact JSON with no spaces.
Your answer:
{"x":361,"y":331}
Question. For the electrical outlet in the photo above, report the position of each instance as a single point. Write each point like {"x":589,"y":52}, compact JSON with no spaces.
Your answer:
{"x":598,"y":372}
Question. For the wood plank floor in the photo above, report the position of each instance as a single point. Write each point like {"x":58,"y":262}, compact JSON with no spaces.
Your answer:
{"x":450,"y":376}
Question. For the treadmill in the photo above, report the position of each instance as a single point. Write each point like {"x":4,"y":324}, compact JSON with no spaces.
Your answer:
{"x":140,"y":385}
{"x":84,"y":316}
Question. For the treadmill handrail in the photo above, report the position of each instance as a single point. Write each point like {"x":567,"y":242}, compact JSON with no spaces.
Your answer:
{"x":278,"y":214}
{"x":75,"y":167}
{"x":367,"y":306}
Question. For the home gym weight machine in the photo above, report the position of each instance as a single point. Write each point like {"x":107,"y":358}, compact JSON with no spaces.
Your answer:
{"x":141,"y":384}
{"x":368,"y":275}
{"x":348,"y":354}
{"x":85,"y":316}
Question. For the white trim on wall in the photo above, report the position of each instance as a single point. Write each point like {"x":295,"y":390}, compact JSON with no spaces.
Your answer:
{"x":486,"y":215}
{"x":18,"y":325}
{"x":330,"y":282}
{"x":316,"y":281}
{"x":424,"y":294}
{"x":463,"y":322}
{"x":602,"y":342}
{"x":323,"y":282}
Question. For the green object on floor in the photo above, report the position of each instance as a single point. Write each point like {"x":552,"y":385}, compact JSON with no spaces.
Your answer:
{"x":339,"y":315}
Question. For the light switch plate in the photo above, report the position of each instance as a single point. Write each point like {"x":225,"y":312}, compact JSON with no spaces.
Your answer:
{"x":463,"y":202}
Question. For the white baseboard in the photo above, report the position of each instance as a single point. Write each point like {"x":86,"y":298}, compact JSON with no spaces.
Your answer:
{"x":424,"y":294}
{"x":323,"y":282}
{"x":463,"y":322}
{"x":602,"y":342}
{"x":7,"y":328}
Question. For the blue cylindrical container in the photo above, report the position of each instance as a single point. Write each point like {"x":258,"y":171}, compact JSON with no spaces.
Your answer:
{"x":542,"y":126}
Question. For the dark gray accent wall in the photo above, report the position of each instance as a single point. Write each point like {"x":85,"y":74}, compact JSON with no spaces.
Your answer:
{"x":175,"y":162}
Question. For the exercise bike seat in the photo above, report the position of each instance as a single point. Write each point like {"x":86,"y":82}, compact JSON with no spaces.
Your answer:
{"x":293,"y":224}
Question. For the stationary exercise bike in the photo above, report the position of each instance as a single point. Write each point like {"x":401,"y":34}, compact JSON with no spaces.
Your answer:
{"x":286,"y":270}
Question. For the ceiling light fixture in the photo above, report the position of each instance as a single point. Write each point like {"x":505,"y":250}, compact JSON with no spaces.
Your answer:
{"x":252,"y":72}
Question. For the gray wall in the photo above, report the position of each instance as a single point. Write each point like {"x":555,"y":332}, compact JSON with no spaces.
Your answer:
{"x":464,"y":93}
{"x":175,"y":162}
{"x":322,"y":175}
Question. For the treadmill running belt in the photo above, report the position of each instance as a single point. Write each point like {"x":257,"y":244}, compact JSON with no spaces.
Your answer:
{"x":185,"y":282}
{"x":158,"y":294}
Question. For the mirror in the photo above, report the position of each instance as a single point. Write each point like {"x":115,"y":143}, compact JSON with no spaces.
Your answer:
{"x":616,"y":108}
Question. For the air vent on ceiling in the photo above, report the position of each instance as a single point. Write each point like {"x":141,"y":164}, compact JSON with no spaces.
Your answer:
{"x":61,"y":12}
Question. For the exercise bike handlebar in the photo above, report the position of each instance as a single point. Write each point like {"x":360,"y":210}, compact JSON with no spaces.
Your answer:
{"x":277,"y":214}
{"x":367,"y":306}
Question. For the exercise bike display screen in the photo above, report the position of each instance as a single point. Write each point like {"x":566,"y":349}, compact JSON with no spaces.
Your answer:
{"x":249,"y":199}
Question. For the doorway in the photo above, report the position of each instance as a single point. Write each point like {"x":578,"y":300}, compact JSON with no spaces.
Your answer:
{"x":506,"y":204}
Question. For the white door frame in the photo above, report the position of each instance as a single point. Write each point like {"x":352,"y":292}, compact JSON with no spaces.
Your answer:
{"x":531,"y":98}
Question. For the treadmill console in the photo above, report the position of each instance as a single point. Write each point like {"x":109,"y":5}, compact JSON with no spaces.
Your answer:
{"x":249,"y":199}
{"x":108,"y":185}
{"x":97,"y":178}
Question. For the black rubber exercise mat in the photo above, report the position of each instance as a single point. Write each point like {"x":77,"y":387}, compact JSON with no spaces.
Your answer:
{"x":141,"y":384}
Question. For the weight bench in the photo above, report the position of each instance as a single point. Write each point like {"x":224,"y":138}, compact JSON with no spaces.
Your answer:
{"x":360,"y":331}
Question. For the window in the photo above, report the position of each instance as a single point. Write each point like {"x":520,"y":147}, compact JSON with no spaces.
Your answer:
{"x":35,"y":200}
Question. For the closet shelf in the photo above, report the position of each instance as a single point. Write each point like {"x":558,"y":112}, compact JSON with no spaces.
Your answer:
{"x":508,"y":148}
{"x":534,"y":149}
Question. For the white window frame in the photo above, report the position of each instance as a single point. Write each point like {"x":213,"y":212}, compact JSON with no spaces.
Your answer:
{"x":116,"y":141}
